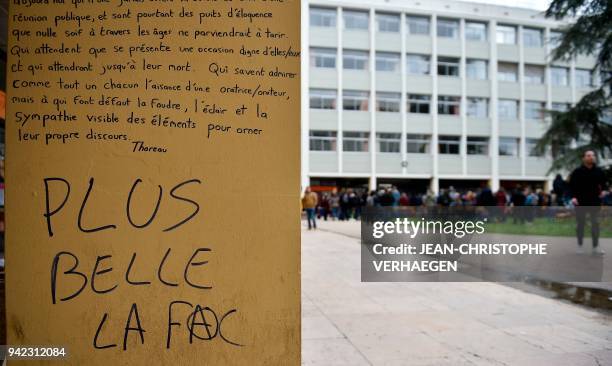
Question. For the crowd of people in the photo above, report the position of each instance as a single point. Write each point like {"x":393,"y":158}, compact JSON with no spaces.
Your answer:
{"x":586,"y":189}
{"x":347,"y":203}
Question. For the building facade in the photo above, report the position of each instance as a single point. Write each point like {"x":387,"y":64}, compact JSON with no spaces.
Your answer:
{"x":430,"y":94}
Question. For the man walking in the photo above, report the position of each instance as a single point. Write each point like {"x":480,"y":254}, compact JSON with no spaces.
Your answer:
{"x":309,"y":203}
{"x":587,"y":184}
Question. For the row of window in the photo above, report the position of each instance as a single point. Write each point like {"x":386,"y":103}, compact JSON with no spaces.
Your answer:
{"x":354,"y":100}
{"x":420,"y":25}
{"x":417,"y":143}
{"x":417,"y":64}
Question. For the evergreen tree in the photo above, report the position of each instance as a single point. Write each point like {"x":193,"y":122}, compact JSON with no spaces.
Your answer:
{"x":589,"y":122}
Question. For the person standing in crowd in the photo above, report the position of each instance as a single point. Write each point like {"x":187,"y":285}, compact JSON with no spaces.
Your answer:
{"x":404,"y":200}
{"x":607,"y":200}
{"x":309,"y":203}
{"x":324,"y":206}
{"x":443,"y":198}
{"x":518,"y":201}
{"x":531,"y":200}
{"x":560,"y":190}
{"x":371,"y":199}
{"x":429,"y":199}
{"x":334,"y":204}
{"x":587,"y":185}
{"x":386,"y":198}
{"x":395,"y":193}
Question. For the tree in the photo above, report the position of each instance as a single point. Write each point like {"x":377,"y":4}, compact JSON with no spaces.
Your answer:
{"x":589,"y":122}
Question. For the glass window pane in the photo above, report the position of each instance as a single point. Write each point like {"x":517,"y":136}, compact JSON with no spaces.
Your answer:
{"x":323,"y":57}
{"x":534,"y":110}
{"x":532,"y":37}
{"x":388,"y":22}
{"x":475,"y":31}
{"x":323,"y":99}
{"x":355,"y":19}
{"x":478,"y":107}
{"x":418,"y":25}
{"x":505,"y":34}
{"x":559,"y":76}
{"x":584,"y":78}
{"x":388,"y":102}
{"x":507,"y":109}
{"x":388,"y":61}
{"x":355,"y":60}
{"x":534,"y":74}
{"x":322,"y":17}
{"x":417,"y":144}
{"x":449,"y":144}
{"x":507,"y":72}
{"x":355,"y":141}
{"x":418,"y":103}
{"x":449,"y":105}
{"x":508,"y":146}
{"x":388,"y":142}
{"x":476,"y":69}
{"x":417,"y":64}
{"x":355,"y":100}
{"x":448,"y":28}
{"x":322,"y":140}
{"x":448,"y":66}
{"x":477,"y":145}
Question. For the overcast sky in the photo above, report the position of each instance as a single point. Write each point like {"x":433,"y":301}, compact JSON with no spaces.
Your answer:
{"x":532,"y":4}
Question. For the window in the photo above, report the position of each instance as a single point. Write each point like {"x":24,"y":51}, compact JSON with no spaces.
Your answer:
{"x":478,"y":107}
{"x":388,"y":142}
{"x":507,"y":72}
{"x":507,"y":109}
{"x":323,"y":58}
{"x":417,"y":64}
{"x":560,"y":107}
{"x":418,"y":25}
{"x":475,"y":31}
{"x":476,"y":69}
{"x":355,"y":60}
{"x":387,"y":61}
{"x":355,"y":141}
{"x":534,"y":110}
{"x":418,"y":103}
{"x":322,"y":17}
{"x":505,"y":34}
{"x":448,"y":66}
{"x":584,"y":78}
{"x":508,"y":146}
{"x":534,"y":74}
{"x":448,"y":144}
{"x":355,"y":19}
{"x":323,"y":99}
{"x":532,"y":37}
{"x":353,"y":100}
{"x":388,"y":22}
{"x":322,"y":140}
{"x":448,"y":105}
{"x":388,"y":102}
{"x":559,"y":76}
{"x":530,"y":147}
{"x":477,"y":145}
{"x":554,"y":39}
{"x":448,"y":28}
{"x":417,"y":144}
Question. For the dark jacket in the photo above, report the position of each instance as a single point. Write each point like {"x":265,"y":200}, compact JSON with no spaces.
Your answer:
{"x":587,"y":184}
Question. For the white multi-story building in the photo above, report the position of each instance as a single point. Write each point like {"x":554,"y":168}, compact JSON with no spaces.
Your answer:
{"x":428,"y":94}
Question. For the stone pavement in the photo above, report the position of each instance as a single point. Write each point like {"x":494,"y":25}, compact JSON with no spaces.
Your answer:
{"x":346,"y":322}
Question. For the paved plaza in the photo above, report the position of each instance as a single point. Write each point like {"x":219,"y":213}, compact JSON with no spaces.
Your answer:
{"x":346,"y":322}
